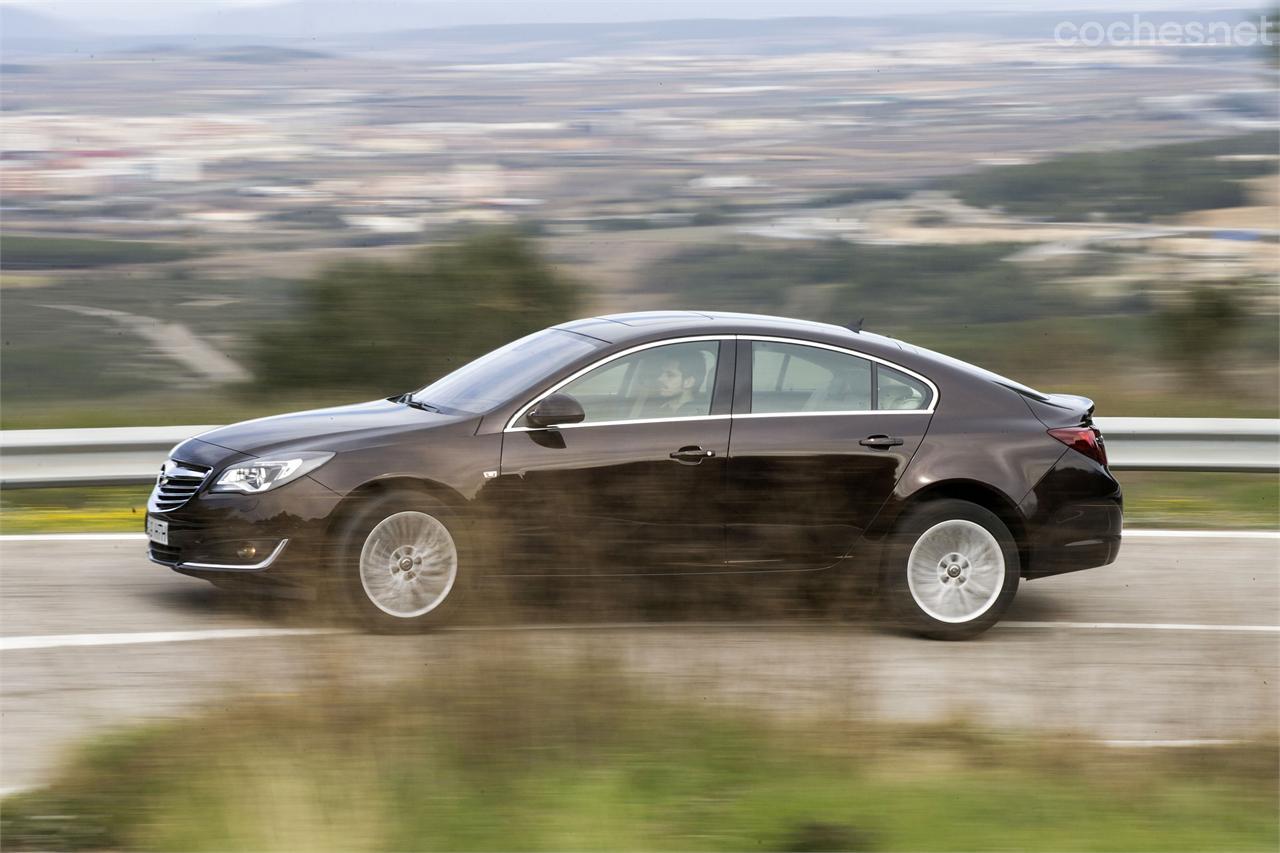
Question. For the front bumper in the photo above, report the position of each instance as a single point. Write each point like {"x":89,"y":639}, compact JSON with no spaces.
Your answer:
{"x":281,"y":534}
{"x":172,"y":557}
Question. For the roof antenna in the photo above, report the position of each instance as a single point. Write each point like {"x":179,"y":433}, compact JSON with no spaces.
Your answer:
{"x":857,"y":327}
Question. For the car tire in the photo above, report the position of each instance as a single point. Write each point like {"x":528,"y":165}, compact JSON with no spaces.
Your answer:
{"x":399,"y":567}
{"x":950,"y":569}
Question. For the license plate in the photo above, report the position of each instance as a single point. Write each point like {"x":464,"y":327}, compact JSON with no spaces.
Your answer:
{"x":157,"y":530}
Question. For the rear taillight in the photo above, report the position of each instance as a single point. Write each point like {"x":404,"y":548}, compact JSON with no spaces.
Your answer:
{"x":1086,"y":440}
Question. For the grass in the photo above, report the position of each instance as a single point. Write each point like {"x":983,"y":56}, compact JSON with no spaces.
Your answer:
{"x":102,"y":509}
{"x":1161,"y":499}
{"x":24,"y":252}
{"x":518,"y":756}
{"x":1152,"y":499}
{"x":182,"y":406}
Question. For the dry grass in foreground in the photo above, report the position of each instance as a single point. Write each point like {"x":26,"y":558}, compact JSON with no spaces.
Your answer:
{"x":518,"y":756}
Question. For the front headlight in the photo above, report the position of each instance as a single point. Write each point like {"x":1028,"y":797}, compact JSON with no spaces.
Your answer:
{"x":259,"y":475}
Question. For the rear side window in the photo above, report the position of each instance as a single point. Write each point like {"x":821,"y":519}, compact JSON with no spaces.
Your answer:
{"x":797,"y":378}
{"x":897,"y":390}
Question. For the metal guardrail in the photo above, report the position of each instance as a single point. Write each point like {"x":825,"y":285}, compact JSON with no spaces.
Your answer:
{"x":31,"y":458}
{"x":132,"y":455}
{"x":1189,"y":444}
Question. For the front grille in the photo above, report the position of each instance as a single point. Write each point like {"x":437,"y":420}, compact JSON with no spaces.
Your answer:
{"x":178,"y":482}
{"x":165,"y":553}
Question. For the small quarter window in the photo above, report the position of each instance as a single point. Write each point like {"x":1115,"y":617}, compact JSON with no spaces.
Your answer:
{"x":896,"y":390}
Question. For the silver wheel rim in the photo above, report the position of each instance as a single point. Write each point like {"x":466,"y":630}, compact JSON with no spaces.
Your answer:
{"x":956,"y":571}
{"x":408,"y":564}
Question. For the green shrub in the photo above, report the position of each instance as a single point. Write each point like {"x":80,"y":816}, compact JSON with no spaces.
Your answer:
{"x":20,"y":252}
{"x":1135,"y":185}
{"x":392,"y":326}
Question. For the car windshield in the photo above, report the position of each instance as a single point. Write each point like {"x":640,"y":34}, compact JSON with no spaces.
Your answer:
{"x":493,"y":379}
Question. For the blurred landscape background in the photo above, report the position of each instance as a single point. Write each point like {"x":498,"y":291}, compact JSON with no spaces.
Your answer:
{"x":225,"y":223}
{"x":222,"y":209}
{"x":213,"y":211}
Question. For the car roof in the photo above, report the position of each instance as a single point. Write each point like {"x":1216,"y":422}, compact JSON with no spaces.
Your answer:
{"x":644,"y":325}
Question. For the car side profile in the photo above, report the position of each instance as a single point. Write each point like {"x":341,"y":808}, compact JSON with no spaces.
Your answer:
{"x":657,"y":443}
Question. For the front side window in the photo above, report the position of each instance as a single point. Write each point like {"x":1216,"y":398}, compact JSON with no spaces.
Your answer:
{"x":789,"y":378}
{"x":671,"y":381}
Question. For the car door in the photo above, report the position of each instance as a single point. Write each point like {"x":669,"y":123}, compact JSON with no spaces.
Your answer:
{"x":821,"y":436}
{"x":637,"y":486}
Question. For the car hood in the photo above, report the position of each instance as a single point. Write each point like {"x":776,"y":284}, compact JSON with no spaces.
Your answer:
{"x":321,"y":429}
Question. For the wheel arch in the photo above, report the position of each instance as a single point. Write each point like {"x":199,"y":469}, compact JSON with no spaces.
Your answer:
{"x":975,"y":492}
{"x":351,"y":503}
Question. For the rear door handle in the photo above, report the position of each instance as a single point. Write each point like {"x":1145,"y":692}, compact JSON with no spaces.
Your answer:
{"x":691,"y":455}
{"x":883,"y":442}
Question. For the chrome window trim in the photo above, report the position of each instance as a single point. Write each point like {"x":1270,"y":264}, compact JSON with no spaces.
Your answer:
{"x":843,"y":413}
{"x":932,"y":407}
{"x":629,"y":421}
{"x":511,"y":427}
{"x":933,"y":399}
{"x":227,"y":567}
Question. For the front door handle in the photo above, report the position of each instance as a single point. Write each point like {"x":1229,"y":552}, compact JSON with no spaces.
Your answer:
{"x":883,"y":442}
{"x":691,"y":455}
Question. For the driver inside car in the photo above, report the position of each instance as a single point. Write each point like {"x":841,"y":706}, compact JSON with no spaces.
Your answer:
{"x":676,"y":387}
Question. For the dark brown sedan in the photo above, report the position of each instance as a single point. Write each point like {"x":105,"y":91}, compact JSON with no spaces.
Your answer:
{"x":658,"y":444}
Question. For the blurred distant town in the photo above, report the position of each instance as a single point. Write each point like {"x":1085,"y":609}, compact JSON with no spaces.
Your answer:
{"x":223,"y":169}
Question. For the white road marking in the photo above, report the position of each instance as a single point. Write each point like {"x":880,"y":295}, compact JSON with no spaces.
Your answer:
{"x":73,"y":537}
{"x":1142,"y":626}
{"x":1201,"y":534}
{"x":60,"y":641}
{"x":1134,"y":534}
{"x":1145,"y":744}
{"x":57,"y":641}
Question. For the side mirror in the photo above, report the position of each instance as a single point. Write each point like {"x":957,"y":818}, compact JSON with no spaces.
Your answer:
{"x":555,"y":409}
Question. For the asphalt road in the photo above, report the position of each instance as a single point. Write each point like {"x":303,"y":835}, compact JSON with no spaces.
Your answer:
{"x":1178,"y":641}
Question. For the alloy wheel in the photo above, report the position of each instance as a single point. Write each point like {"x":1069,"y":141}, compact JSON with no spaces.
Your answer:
{"x":956,"y":571}
{"x":408,"y":564}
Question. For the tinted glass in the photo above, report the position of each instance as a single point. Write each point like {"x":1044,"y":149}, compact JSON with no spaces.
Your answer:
{"x":672,"y":381}
{"x":897,"y":390}
{"x":493,"y":379}
{"x":797,"y":378}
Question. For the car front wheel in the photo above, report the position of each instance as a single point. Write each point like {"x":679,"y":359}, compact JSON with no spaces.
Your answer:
{"x":400,"y":562}
{"x":951,"y":569}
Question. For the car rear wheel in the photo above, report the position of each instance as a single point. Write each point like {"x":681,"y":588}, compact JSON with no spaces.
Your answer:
{"x":951,"y":569}
{"x":399,"y":566}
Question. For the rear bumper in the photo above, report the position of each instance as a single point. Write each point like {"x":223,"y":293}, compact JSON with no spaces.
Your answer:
{"x":1075,"y":516}
{"x":1089,"y":541}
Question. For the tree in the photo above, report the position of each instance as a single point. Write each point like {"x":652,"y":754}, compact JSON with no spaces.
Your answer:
{"x":1197,"y":331}
{"x":385,"y":327}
